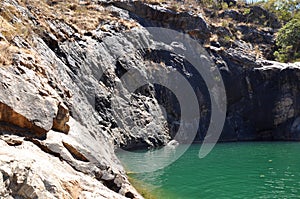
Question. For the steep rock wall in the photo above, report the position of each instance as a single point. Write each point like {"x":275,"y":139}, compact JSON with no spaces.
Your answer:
{"x":58,"y":100}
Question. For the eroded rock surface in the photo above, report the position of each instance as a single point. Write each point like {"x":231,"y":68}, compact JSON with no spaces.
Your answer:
{"x":27,"y":172}
{"x":65,"y":107}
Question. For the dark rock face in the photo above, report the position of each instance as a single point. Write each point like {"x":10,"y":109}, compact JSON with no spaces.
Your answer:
{"x":255,"y":36}
{"x":256,"y":15}
{"x":154,"y":15}
{"x":261,"y":95}
{"x":261,"y":16}
{"x":262,"y":102}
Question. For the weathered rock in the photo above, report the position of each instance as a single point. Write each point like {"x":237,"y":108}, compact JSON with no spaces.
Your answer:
{"x":8,"y":115}
{"x":28,"y":172}
{"x":64,"y":105}
{"x":252,"y":35}
{"x":256,"y":14}
{"x":62,"y":117}
{"x":260,"y":15}
{"x":155,"y":15}
{"x":24,"y":85}
{"x":233,"y":14}
{"x":270,"y":91}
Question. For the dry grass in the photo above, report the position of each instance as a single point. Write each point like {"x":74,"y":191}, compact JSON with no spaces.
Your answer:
{"x":82,"y":16}
{"x":178,"y":6}
{"x":10,"y":23}
{"x":257,"y":52}
{"x":30,"y":58}
{"x":5,"y":54}
{"x":85,"y":16}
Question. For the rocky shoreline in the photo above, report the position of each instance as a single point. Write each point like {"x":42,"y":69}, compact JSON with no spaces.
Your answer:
{"x":58,"y":94}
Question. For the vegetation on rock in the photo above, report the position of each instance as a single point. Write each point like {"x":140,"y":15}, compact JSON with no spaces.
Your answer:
{"x":288,"y":41}
{"x":284,"y":9}
{"x":288,"y":37}
{"x":61,"y":68}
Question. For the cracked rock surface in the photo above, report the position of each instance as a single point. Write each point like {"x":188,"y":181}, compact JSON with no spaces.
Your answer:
{"x":65,"y":107}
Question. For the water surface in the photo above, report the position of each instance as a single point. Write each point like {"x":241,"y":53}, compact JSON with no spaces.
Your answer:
{"x":231,"y":170}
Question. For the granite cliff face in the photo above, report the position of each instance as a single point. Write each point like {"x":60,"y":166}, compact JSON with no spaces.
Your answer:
{"x":64,"y":107}
{"x":261,"y":94}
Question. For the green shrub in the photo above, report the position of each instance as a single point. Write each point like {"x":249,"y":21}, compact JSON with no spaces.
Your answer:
{"x":288,"y":42}
{"x":285,"y":10}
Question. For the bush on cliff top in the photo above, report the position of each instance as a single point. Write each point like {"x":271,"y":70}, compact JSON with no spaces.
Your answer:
{"x":288,"y":37}
{"x":288,"y":41}
{"x":285,"y":10}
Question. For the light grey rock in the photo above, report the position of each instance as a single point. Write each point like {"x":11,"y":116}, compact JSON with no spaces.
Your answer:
{"x":27,"y":172}
{"x":64,"y":106}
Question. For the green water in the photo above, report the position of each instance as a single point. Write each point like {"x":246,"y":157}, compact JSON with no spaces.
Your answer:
{"x":231,"y":170}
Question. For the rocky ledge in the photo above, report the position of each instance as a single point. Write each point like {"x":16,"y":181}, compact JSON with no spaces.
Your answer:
{"x":64,"y":107}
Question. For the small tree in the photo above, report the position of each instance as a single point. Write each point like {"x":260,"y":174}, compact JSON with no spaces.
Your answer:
{"x":288,"y":41}
{"x":285,"y":10}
